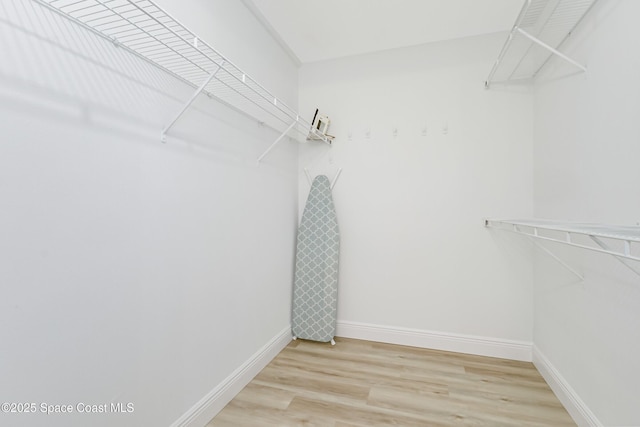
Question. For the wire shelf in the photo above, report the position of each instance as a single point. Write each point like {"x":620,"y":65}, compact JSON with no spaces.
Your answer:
{"x":541,"y":27}
{"x":616,"y":240}
{"x":619,"y":232}
{"x":152,"y":34}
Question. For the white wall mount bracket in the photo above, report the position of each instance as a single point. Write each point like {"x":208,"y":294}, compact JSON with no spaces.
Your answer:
{"x":545,"y":230}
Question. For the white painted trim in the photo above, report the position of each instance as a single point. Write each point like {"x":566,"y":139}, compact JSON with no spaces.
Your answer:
{"x":576,"y":407}
{"x":213,"y":402}
{"x":482,"y":346}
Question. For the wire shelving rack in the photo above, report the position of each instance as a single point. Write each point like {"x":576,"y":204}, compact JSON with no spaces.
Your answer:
{"x":540,"y":29}
{"x":147,"y":31}
{"x":615,"y":240}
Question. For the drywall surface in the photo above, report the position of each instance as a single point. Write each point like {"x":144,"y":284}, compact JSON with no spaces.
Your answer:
{"x":133,"y":272}
{"x":426,"y":152}
{"x":587,"y":143}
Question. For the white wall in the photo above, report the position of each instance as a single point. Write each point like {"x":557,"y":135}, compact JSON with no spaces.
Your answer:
{"x":587,"y":145}
{"x":135,"y":271}
{"x":415,"y":257}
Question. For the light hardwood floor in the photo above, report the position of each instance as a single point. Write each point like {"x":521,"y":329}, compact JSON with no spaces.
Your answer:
{"x":363,"y":383}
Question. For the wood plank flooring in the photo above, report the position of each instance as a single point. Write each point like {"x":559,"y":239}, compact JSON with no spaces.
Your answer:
{"x":361,"y":383}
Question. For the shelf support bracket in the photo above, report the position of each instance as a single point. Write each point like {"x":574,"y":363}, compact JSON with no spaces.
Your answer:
{"x":532,"y":238}
{"x":277,"y":140}
{"x":548,"y":252}
{"x":550,"y":49}
{"x":624,"y":261}
{"x":163,"y":136}
{"x":554,"y":256}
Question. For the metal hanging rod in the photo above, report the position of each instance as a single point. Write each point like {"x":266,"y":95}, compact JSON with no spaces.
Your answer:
{"x":147,"y":31}
{"x":545,"y":230}
{"x":541,"y":27}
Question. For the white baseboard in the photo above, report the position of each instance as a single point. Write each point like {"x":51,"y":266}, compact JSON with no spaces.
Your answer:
{"x":482,"y":346}
{"x":213,"y":402}
{"x":574,"y":405}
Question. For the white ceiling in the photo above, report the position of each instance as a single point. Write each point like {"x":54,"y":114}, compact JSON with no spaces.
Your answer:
{"x":315,"y":30}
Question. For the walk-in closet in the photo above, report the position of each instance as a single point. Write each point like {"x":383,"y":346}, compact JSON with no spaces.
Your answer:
{"x":336,"y":213}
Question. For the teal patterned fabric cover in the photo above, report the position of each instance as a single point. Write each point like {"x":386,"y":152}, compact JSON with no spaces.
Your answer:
{"x":315,"y":292}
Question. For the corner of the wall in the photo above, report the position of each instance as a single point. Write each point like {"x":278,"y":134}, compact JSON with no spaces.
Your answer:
{"x":572,"y":402}
{"x":214,"y":401}
{"x":249,"y":4}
